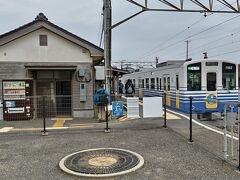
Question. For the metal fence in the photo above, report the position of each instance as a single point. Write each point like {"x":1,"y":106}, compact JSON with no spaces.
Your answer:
{"x":217,"y":133}
{"x":33,"y":107}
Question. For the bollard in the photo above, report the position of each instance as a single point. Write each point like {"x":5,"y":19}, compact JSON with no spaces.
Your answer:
{"x":190,"y":111}
{"x":107,"y":129}
{"x":44,"y":132}
{"x":165,"y":110}
{"x":238,"y":138}
{"x":225,"y":151}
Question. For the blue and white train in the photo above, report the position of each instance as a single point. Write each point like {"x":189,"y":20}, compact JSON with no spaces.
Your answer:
{"x":210,"y":82}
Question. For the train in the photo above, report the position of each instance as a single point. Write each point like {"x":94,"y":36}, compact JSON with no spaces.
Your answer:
{"x":210,"y":82}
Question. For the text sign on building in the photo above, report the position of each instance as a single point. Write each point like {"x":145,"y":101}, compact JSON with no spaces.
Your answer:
{"x":133,"y":107}
{"x":152,"y":107}
{"x":117,"y":108}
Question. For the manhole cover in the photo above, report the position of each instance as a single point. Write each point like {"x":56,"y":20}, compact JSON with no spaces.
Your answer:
{"x":102,"y":162}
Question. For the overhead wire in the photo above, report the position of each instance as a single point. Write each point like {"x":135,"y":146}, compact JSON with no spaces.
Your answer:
{"x":169,"y":39}
{"x":155,"y":50}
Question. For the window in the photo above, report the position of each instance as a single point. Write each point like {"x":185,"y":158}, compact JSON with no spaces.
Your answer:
{"x":168,"y":83}
{"x":228,"y":76}
{"x":211,"y":63}
{"x":43,"y":40}
{"x":54,"y":75}
{"x":147,"y":83}
{"x":157,"y":79}
{"x":164,"y":83}
{"x":142,"y":83}
{"x":153,"y":83}
{"x":160,"y":83}
{"x":211,"y":81}
{"x":194,"y":77}
{"x":177,"y":82}
{"x":134,"y":82}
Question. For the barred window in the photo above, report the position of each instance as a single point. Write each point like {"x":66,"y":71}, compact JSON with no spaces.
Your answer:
{"x":43,"y":40}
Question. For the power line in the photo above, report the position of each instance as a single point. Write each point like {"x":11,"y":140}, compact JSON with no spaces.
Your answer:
{"x":230,"y":52}
{"x":182,"y":40}
{"x":169,"y":39}
{"x":155,"y":49}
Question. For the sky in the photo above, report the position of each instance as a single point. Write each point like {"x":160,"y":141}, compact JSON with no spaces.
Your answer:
{"x":143,"y":38}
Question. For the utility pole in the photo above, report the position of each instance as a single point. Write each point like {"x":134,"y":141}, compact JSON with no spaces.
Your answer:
{"x":107,"y":15}
{"x":187,"y":53}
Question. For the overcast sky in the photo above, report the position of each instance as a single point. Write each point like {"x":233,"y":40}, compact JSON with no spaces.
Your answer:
{"x":140,"y":39}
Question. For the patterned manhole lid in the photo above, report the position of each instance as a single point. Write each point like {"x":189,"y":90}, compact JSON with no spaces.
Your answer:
{"x":102,"y":162}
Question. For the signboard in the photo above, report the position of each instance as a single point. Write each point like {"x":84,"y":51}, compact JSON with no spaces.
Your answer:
{"x":100,"y":75}
{"x":133,"y":107}
{"x":193,"y":68}
{"x":211,"y":100}
{"x":152,"y":107}
{"x":117,"y":108}
{"x":10,"y":104}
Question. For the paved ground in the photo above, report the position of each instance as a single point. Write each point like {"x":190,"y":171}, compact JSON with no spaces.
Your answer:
{"x":167,"y":153}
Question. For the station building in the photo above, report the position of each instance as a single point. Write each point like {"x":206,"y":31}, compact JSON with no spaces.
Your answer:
{"x":55,"y":62}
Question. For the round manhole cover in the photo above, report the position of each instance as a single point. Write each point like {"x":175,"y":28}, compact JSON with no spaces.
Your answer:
{"x":102,"y":162}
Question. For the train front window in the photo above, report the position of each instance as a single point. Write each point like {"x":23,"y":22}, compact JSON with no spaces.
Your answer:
{"x":211,"y":81}
{"x":228,"y":76}
{"x":153,"y":83}
{"x":194,"y":77}
{"x":147,"y":83}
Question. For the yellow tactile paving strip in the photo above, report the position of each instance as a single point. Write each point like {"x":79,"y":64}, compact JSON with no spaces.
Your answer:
{"x":59,"y":122}
{"x":171,"y":116}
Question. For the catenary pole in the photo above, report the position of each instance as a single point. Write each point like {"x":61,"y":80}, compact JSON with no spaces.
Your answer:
{"x":107,"y":15}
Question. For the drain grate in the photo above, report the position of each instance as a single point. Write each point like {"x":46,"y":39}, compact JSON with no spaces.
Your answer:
{"x":102,"y":162}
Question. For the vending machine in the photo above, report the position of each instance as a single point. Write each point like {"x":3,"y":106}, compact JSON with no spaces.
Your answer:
{"x":17,"y":100}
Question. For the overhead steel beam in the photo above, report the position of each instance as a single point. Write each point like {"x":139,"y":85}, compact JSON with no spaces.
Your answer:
{"x":200,"y":4}
{"x":130,"y":17}
{"x":228,"y":5}
{"x":169,"y":4}
{"x":137,"y":4}
{"x":209,"y":7}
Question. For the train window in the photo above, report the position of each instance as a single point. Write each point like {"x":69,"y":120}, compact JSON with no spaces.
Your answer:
{"x":147,"y":83}
{"x":152,"y":83}
{"x":164,"y":83}
{"x":157,"y":81}
{"x":228,"y":76}
{"x":211,"y":63}
{"x":143,"y":83}
{"x":160,"y":83}
{"x":194,"y":77}
{"x":168,"y":82}
{"x":211,"y":81}
{"x":177,"y":82}
{"x":134,"y":82}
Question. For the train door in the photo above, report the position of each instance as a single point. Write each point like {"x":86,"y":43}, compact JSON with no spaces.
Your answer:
{"x":177,"y":92}
{"x":211,"y":89}
{"x":167,"y":87}
{"x":140,"y":86}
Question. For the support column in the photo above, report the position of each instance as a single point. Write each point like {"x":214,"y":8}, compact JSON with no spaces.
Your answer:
{"x":107,"y":15}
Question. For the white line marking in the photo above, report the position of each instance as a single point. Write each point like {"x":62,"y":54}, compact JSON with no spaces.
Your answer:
{"x":6,"y":129}
{"x":52,"y":128}
{"x":200,"y":124}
